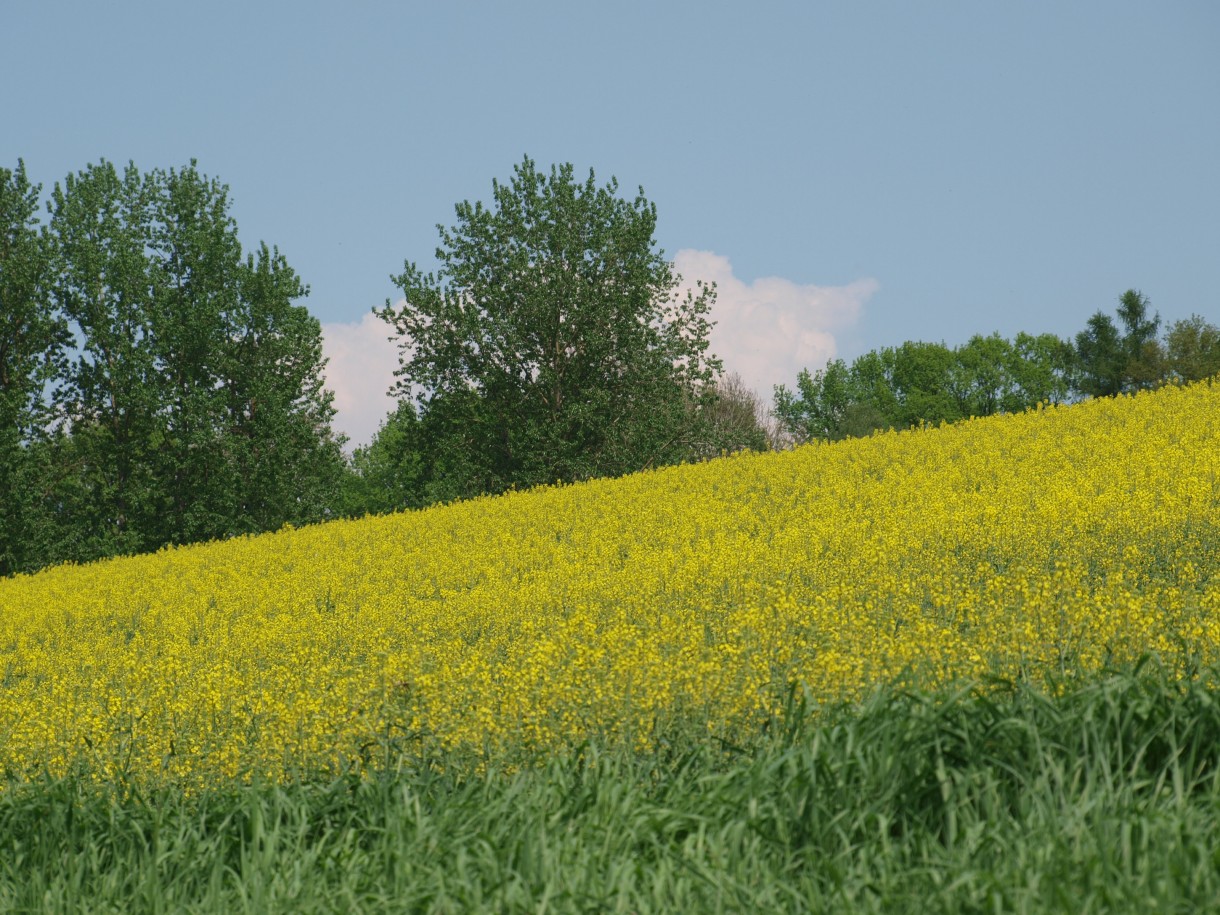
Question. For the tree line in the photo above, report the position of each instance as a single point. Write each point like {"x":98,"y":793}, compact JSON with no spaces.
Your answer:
{"x":161,"y":385}
{"x":931,"y":383}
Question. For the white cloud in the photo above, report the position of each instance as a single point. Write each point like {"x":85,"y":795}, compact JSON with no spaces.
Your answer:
{"x":360,"y":370}
{"x":768,"y":330}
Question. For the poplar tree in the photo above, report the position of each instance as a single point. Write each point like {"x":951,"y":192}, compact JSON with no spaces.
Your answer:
{"x":191,"y":406}
{"x":32,"y":339}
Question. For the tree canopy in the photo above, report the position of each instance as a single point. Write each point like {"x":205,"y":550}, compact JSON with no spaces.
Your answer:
{"x":553,"y":343}
{"x":158,"y":384}
{"x":903,"y":386}
{"x":899,"y":387}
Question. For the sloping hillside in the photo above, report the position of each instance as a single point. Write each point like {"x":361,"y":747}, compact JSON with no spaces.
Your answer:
{"x":1051,"y":542}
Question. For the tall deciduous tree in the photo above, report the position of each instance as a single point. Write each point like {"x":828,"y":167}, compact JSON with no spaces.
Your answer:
{"x":278,"y":412}
{"x":1101,"y":356}
{"x":32,"y":339}
{"x":192,"y":407}
{"x":981,"y":375}
{"x":1113,"y":362}
{"x":552,"y":343}
{"x":107,"y":500}
{"x":1145,"y":356}
{"x":196,"y":269}
{"x":247,"y":443}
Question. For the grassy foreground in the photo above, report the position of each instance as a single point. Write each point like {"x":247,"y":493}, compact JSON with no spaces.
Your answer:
{"x":1103,"y":798}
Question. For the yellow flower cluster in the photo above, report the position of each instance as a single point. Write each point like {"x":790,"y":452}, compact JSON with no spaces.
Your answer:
{"x":1057,"y":541}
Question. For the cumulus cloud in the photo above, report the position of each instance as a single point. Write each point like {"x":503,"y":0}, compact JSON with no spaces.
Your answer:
{"x":360,"y":370}
{"x":768,"y":330}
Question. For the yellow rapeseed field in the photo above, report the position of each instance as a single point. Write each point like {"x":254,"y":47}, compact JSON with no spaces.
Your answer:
{"x":1054,"y":541}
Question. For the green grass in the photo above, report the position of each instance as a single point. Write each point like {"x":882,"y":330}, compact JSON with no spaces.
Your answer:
{"x":1105,"y":798}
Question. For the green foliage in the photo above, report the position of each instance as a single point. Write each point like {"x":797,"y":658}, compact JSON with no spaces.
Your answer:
{"x":920,"y":383}
{"x":1092,"y":796}
{"x":1043,"y":369}
{"x":1192,"y":349}
{"x":1113,"y":363}
{"x":190,"y":404}
{"x":108,"y":397}
{"x":1145,"y":357}
{"x":917,"y":383}
{"x":388,"y":474}
{"x":32,"y":344}
{"x":929,"y":383}
{"x":921,"y":375}
{"x":552,"y":344}
{"x":1102,"y":360}
{"x":818,"y":408}
{"x":278,"y":428}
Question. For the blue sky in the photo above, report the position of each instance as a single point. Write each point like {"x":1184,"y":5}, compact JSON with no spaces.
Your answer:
{"x":853,"y":174}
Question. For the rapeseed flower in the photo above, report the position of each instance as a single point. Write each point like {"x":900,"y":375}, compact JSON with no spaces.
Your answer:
{"x":1052,"y":542}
